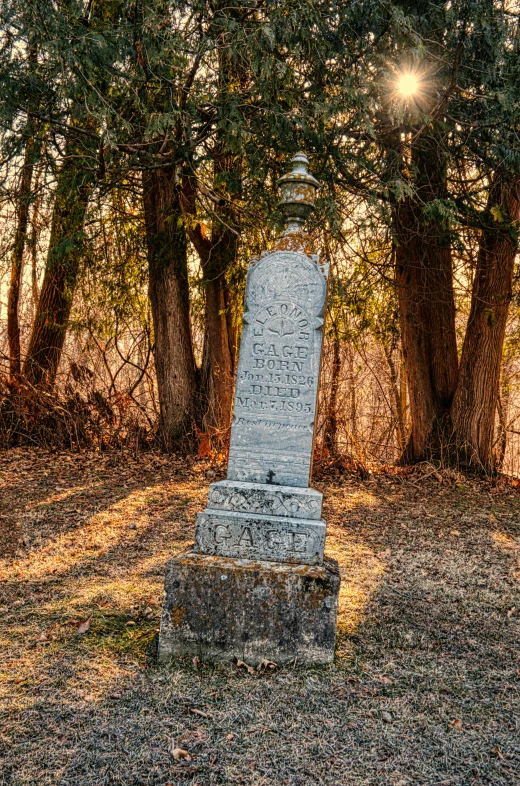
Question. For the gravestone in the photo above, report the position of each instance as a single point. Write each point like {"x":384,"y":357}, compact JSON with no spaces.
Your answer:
{"x":256,"y":584}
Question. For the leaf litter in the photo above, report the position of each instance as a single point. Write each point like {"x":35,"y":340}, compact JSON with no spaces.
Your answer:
{"x":424,"y":690}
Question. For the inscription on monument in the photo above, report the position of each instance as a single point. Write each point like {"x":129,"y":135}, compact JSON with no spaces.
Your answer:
{"x":247,"y":536}
{"x":277,"y":381}
{"x":265,"y":509}
{"x":238,"y":597}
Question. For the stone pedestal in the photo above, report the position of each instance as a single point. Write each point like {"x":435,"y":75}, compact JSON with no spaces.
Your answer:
{"x":220,"y":609}
{"x":256,"y":584}
{"x":259,"y":521}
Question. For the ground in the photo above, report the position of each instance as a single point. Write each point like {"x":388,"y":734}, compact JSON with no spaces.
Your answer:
{"x":424,"y":690}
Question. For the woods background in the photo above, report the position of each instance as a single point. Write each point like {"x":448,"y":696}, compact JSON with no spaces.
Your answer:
{"x":140,"y":147}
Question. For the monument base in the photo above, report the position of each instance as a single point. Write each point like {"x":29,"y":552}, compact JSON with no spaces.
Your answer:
{"x":221,"y":609}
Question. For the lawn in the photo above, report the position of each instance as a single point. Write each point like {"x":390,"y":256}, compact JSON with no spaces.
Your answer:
{"x":425,"y":689}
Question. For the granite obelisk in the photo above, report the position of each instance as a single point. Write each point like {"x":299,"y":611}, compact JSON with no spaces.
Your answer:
{"x":256,"y":584}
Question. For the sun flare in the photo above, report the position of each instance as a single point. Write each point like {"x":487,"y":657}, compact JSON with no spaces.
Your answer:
{"x":408,"y":85}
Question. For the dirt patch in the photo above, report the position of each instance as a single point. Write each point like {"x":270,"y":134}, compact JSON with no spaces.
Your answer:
{"x":425,"y":688}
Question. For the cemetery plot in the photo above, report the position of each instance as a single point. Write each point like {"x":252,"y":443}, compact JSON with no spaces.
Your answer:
{"x":424,"y":690}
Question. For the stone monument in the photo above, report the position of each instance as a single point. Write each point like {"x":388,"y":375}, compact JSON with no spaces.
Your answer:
{"x":256,"y":584}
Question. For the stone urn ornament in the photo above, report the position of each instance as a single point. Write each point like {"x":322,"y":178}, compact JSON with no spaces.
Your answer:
{"x":298,"y":189}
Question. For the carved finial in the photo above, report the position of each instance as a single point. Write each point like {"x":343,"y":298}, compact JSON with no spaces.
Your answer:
{"x":298,"y":189}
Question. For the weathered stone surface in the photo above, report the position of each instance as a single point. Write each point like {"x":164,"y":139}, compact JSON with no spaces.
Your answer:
{"x":256,"y":585}
{"x":277,"y":381}
{"x":220,"y":609}
{"x":272,"y":538}
{"x":244,"y":497}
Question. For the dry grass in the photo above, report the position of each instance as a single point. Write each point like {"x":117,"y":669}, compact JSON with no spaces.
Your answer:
{"x":425,"y":689}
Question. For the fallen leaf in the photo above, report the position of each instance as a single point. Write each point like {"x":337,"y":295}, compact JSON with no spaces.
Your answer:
{"x":456,"y":724}
{"x":199,"y":712}
{"x":455,"y":532}
{"x":266,"y":664}
{"x":249,"y":669}
{"x":180,"y":753}
{"x":497,"y":752}
{"x":84,"y":625}
{"x":195,"y":735}
{"x":195,"y":662}
{"x":230,"y":737}
{"x":386,"y":717}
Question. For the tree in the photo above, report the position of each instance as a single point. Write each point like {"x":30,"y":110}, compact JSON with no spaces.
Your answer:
{"x":476,"y":398}
{"x":75,"y":181}
{"x":66,"y":89}
{"x":424,"y":283}
{"x":440,"y":155}
{"x":169,"y":298}
{"x":24,"y":197}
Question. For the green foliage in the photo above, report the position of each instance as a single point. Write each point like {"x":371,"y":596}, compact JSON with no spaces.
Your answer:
{"x":184,"y":84}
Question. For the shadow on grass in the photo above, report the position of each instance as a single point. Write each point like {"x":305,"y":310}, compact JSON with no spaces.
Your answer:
{"x":425,"y":641}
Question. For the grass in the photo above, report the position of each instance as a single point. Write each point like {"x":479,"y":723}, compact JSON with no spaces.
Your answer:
{"x":424,"y":690}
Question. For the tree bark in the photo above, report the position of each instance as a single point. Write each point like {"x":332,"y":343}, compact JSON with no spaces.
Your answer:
{"x":75,"y":180}
{"x":474,"y":406}
{"x":424,"y":282}
{"x":217,"y":254}
{"x":169,"y":298}
{"x":397,"y":393}
{"x":330,"y":431}
{"x":218,"y":356}
{"x":22,"y":220}
{"x":34,"y":235}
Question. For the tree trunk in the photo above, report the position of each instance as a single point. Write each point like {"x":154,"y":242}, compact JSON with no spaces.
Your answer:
{"x":22,"y":220}
{"x":75,"y":181}
{"x":169,"y":298}
{"x":33,"y":237}
{"x":330,"y":431}
{"x":217,"y":254}
{"x":397,"y":393}
{"x":424,"y":281}
{"x":475,"y":402}
{"x":217,"y":363}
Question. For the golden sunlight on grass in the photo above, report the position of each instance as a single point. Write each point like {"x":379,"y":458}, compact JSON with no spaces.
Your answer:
{"x":99,"y":535}
{"x":427,"y":622}
{"x":503,"y":541}
{"x":511,"y":546}
{"x":360,"y":567}
{"x":361,"y":572}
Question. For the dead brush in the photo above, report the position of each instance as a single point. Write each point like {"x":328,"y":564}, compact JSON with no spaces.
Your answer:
{"x":79,"y":416}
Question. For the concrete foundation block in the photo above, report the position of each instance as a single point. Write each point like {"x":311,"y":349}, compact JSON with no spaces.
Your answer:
{"x":221,"y":609}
